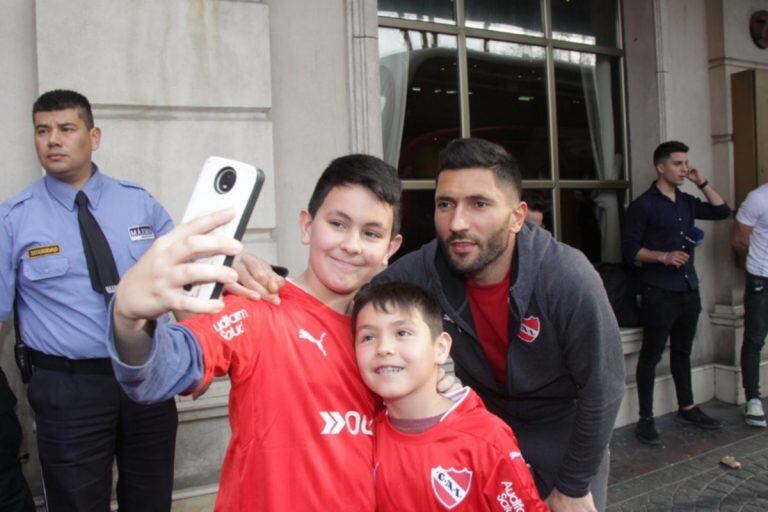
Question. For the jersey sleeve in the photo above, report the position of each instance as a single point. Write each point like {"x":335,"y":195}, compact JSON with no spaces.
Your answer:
{"x":509,"y":485}
{"x":230,"y":341}
{"x":174,"y":364}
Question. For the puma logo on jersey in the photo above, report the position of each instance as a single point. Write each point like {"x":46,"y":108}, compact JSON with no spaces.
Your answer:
{"x":304,"y":335}
{"x":352,"y":421}
{"x":508,"y":498}
{"x":230,"y":325}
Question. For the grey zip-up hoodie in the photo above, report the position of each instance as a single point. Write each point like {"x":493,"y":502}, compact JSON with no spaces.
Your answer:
{"x":572,"y":370}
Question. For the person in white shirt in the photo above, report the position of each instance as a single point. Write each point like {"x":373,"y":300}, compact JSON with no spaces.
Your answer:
{"x":750,"y":238}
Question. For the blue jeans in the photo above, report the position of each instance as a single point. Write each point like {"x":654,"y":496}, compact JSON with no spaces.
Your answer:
{"x":755,"y":330}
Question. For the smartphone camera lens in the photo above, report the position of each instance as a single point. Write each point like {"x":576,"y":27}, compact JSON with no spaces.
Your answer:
{"x":225,"y":180}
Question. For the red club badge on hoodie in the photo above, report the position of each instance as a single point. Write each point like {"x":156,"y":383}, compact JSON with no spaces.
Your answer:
{"x":529,"y":329}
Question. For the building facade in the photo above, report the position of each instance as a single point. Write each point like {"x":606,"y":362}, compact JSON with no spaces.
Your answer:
{"x":582,"y":92}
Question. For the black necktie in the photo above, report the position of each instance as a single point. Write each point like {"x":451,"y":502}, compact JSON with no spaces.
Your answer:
{"x":98,"y":255}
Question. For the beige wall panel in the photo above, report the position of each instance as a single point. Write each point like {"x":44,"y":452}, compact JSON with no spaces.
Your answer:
{"x":200,"y":448}
{"x":642,"y":92}
{"x":687,"y":117}
{"x":310,"y":111}
{"x":147,"y":52}
{"x":738,"y":42}
{"x":20,"y":167}
{"x":19,"y":91}
{"x":165,"y":152}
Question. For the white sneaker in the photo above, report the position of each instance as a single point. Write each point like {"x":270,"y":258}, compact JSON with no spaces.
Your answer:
{"x":753,"y":413}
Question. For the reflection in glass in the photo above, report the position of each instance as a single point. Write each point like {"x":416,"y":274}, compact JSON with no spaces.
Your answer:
{"x":585,"y":21}
{"x":539,"y":207}
{"x":437,"y":11}
{"x":589,"y":128}
{"x":419,"y":98}
{"x":418,"y":220}
{"x":517,"y":17}
{"x":591,"y":221}
{"x":508,"y":101}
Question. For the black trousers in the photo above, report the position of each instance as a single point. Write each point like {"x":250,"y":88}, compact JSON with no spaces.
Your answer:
{"x":755,"y":330}
{"x":14,"y":491}
{"x":544,"y":446}
{"x":673,"y":315}
{"x":85,"y":422}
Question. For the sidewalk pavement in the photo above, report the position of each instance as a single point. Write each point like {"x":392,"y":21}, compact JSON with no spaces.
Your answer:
{"x":685,"y":473}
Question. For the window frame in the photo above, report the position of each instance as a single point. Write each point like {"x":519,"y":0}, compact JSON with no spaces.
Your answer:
{"x":555,"y":184}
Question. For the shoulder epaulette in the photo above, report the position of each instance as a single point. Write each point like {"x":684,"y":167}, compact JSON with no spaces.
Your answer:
{"x":9,"y":204}
{"x":130,"y":184}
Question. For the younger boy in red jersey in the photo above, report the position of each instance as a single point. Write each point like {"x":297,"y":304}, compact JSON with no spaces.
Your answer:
{"x":432,"y":453}
{"x":299,"y":413}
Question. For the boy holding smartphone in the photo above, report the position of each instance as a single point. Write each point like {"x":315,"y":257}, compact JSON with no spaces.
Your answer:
{"x":301,"y":418}
{"x":432,"y":453}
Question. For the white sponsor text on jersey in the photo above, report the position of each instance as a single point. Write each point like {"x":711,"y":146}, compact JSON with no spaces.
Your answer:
{"x":508,"y":498}
{"x":353,"y":422}
{"x":230,"y":325}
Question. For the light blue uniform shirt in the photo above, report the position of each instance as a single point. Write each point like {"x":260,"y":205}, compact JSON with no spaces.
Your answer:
{"x":41,"y":257}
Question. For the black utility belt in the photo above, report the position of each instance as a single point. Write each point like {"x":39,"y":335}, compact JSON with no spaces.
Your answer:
{"x":100,"y":366}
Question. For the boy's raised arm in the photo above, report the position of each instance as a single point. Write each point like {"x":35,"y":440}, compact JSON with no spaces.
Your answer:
{"x":155,"y":285}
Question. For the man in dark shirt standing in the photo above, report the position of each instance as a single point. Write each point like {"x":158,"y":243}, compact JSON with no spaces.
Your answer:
{"x":659,"y":233}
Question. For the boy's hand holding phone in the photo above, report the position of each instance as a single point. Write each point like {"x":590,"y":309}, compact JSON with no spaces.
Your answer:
{"x":155,"y":284}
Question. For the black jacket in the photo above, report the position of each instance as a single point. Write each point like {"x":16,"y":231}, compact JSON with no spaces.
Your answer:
{"x":574,"y":368}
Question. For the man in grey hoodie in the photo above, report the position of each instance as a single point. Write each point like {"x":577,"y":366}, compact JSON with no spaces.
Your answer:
{"x":533,"y":331}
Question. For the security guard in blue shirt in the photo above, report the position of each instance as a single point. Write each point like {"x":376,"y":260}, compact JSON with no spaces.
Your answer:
{"x":56,"y":237}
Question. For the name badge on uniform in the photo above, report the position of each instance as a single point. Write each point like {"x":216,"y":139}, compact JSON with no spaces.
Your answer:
{"x":44,"y":250}
{"x":138,"y":233}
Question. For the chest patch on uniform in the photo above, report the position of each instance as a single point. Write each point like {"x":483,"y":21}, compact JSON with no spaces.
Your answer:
{"x":451,"y":485}
{"x":529,"y":329}
{"x":141,"y":233}
{"x":44,"y":250}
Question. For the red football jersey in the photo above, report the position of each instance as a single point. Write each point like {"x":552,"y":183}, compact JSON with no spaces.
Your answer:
{"x":300,"y":415}
{"x":469,"y":461}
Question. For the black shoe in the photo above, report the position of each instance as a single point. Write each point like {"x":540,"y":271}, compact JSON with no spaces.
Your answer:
{"x":645,"y":431}
{"x":699,"y":418}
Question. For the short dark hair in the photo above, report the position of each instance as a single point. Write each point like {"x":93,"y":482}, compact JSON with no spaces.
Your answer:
{"x":665,"y":149}
{"x":402,"y":296}
{"x":367,"y":171}
{"x":482,"y":154}
{"x":62,"y":99}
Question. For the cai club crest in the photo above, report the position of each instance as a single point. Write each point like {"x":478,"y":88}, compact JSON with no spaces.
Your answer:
{"x":451,"y":485}
{"x":529,"y":329}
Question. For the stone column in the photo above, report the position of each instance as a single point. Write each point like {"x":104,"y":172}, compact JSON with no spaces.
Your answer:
{"x":730,"y":50}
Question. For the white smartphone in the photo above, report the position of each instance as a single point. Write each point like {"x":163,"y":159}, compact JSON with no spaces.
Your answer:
{"x":223,"y":184}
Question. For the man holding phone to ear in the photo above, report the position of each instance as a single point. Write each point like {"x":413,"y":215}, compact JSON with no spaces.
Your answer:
{"x":659,"y":233}
{"x":64,"y":243}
